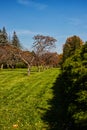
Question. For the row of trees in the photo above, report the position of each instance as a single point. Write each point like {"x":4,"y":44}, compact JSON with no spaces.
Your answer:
{"x":12,"y":53}
{"x":74,"y":83}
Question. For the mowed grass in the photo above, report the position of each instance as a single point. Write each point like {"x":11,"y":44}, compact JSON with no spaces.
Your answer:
{"x":24,"y":99}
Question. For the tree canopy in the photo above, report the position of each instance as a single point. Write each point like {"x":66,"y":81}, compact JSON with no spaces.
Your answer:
{"x":43,"y":44}
{"x":71,"y":45}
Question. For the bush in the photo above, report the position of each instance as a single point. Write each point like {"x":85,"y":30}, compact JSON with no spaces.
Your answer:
{"x":75,"y":82}
{"x":20,"y":65}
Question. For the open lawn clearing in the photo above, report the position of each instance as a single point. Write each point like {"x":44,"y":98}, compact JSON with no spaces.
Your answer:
{"x":24,"y":100}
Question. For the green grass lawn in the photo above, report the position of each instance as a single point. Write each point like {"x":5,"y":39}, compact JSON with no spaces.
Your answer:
{"x":24,"y":100}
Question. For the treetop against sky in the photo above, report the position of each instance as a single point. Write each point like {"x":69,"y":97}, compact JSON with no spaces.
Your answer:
{"x":57,"y":18}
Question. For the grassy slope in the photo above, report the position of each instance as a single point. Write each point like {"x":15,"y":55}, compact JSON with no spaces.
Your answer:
{"x":23,"y":99}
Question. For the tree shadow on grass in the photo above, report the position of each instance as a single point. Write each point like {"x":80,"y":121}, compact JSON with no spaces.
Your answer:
{"x":57,"y":117}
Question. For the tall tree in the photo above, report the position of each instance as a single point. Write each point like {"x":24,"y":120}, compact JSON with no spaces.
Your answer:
{"x":42,"y":45}
{"x":15,"y":41}
{"x":3,"y":36}
{"x":74,"y":76}
{"x":70,"y":46}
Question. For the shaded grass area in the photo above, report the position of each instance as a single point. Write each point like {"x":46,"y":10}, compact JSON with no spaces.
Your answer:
{"x":54,"y":115}
{"x":24,"y":100}
{"x":57,"y":116}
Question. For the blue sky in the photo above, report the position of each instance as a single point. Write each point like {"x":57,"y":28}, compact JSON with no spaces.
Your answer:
{"x":57,"y":18}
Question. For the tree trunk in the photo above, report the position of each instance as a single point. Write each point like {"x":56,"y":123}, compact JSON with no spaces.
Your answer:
{"x":1,"y":66}
{"x":12,"y":66}
{"x":38,"y":68}
{"x":7,"y":65}
{"x":28,"y":70}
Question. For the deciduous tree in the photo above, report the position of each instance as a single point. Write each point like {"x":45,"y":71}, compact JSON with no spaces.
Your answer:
{"x":42,"y":45}
{"x":70,"y":46}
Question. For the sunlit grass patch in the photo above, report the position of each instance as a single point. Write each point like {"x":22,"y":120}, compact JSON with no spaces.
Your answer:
{"x":23,"y":99}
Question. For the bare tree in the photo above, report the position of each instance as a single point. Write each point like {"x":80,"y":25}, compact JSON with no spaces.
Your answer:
{"x":42,"y":45}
